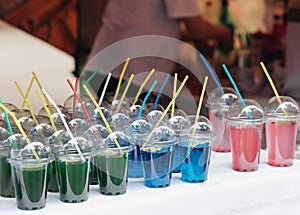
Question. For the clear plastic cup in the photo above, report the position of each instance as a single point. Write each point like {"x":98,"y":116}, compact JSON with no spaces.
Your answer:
{"x":197,"y":150}
{"x":218,"y":106}
{"x":30,"y":175}
{"x":245,"y":131}
{"x":157,"y":158}
{"x":281,"y":130}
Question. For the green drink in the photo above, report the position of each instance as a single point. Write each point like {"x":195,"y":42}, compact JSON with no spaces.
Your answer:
{"x":6,"y":183}
{"x":31,"y":186}
{"x":73,"y":178}
{"x":112,"y":173}
{"x":52,"y":177}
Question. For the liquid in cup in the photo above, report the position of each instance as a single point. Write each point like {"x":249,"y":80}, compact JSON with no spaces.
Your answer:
{"x":218,"y":106}
{"x":281,"y":130}
{"x":157,"y":158}
{"x":197,"y":149}
{"x":30,"y":175}
{"x":245,"y":135}
{"x":112,"y":164}
{"x":73,"y":170}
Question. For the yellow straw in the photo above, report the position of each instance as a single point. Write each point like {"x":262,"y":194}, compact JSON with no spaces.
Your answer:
{"x":273,"y":86}
{"x":46,"y":109}
{"x":102,"y":115}
{"x":166,"y":110}
{"x":26,"y":94}
{"x":27,"y":103}
{"x":142,"y":86}
{"x":121,"y":78}
{"x":20,"y":128}
{"x":174,"y":92}
{"x":200,"y":102}
{"x":41,"y":88}
{"x":124,"y":93}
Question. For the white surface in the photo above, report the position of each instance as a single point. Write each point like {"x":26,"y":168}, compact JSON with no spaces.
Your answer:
{"x":20,"y":54}
{"x":269,"y":190}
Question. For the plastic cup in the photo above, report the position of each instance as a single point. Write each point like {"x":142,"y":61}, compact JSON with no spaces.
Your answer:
{"x":218,"y":106}
{"x":245,"y":135}
{"x":157,"y":158}
{"x":180,"y":125}
{"x":281,"y":130}
{"x":112,"y":164}
{"x":197,"y":150}
{"x":73,"y":170}
{"x":139,"y":131}
{"x":30,"y":175}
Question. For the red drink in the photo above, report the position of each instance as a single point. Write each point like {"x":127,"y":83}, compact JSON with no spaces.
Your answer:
{"x":245,"y":144}
{"x":222,"y":143}
{"x":281,"y":140}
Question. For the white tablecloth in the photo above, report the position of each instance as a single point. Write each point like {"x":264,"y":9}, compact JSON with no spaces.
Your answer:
{"x":270,"y":190}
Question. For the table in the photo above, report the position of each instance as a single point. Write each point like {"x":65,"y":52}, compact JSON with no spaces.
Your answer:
{"x":269,"y":190}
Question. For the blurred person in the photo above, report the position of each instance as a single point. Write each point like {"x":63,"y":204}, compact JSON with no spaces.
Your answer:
{"x":126,"y":19}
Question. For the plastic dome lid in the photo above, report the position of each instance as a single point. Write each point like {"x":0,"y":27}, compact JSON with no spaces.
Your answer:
{"x":110,"y":146}
{"x":220,"y":99}
{"x":253,"y":112}
{"x":202,"y":129}
{"x":141,"y":127}
{"x":179,"y":124}
{"x":162,"y":135}
{"x":287,"y":109}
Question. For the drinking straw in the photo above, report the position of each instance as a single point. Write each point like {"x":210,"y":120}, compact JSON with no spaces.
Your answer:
{"x":92,"y":76}
{"x":102,"y":115}
{"x":20,"y":128}
{"x":174,"y":92}
{"x":47,"y":110}
{"x":200,"y":102}
{"x":104,"y":89}
{"x":142,"y":86}
{"x":121,"y":78}
{"x":273,"y":86}
{"x":74,"y":98}
{"x":124,"y":93}
{"x":41,"y":87}
{"x":166,"y":110}
{"x":239,"y":94}
{"x":7,"y":120}
{"x":81,"y":103}
{"x":27,"y":103}
{"x":145,"y":100}
{"x":160,"y":91}
{"x":26,"y":94}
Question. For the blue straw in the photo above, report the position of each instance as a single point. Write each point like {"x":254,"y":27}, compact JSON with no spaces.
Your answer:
{"x":160,"y":91}
{"x":145,"y":100}
{"x":238,"y":92}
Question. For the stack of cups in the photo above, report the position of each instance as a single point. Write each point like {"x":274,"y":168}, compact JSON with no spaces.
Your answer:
{"x":281,"y":130}
{"x":245,"y":132}
{"x":218,"y":106}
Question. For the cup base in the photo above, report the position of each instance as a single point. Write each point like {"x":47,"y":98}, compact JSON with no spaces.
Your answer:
{"x":78,"y":200}
{"x":193,"y":181}
{"x":7,"y":195}
{"x":152,"y":185}
{"x":244,"y":169}
{"x":22,"y":207}
{"x":53,"y":190}
{"x":280,"y":164}
{"x":112,"y":194}
{"x":222,"y":150}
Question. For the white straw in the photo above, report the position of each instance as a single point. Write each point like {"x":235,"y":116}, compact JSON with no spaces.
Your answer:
{"x":62,"y":119}
{"x":104,"y":89}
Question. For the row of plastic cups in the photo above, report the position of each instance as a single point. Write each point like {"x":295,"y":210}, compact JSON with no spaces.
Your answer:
{"x":239,"y":129}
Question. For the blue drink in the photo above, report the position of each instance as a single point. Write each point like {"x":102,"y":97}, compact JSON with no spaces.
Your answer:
{"x":195,"y":166}
{"x":179,"y":155}
{"x":157,"y":164}
{"x":135,"y":168}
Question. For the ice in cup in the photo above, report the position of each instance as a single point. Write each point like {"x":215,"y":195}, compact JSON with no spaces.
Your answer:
{"x":6,"y":182}
{"x":180,"y":125}
{"x":281,"y":130}
{"x":30,"y":175}
{"x":218,"y":106}
{"x":245,"y":131}
{"x":139,"y":131}
{"x":73,"y":170}
{"x":112,"y":164}
{"x":56,"y":140}
{"x":197,"y":150}
{"x":157,"y":157}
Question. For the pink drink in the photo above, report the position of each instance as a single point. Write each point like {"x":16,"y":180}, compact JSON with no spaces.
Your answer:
{"x":222,"y":143}
{"x":281,"y":140}
{"x":245,"y":145}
